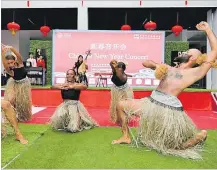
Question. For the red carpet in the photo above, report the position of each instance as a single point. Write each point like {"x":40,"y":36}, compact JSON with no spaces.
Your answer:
{"x":203,"y":119}
{"x":201,"y":106}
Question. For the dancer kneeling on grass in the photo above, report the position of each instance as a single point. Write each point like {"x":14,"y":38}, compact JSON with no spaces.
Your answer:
{"x":18,"y":88}
{"x":71,"y":115}
{"x":10,"y":115}
{"x":164,"y":126}
{"x":120,"y":90}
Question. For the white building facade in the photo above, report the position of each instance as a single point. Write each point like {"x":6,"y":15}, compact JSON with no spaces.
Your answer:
{"x":83,"y":6}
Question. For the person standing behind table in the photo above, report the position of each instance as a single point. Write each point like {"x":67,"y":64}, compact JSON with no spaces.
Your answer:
{"x":31,"y":60}
{"x":40,"y":63}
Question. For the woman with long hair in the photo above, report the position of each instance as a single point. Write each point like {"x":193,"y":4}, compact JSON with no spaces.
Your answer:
{"x":18,"y":88}
{"x":71,"y":115}
{"x":81,"y":67}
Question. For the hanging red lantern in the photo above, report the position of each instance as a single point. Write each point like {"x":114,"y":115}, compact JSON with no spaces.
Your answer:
{"x":45,"y":30}
{"x":150,"y":26}
{"x":13,"y":27}
{"x":126,"y":27}
{"x":177,"y":29}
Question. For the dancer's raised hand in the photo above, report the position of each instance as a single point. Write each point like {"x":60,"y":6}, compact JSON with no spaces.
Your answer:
{"x":203,"y":26}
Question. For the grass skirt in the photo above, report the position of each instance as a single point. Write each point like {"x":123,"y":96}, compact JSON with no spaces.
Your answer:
{"x":18,"y":93}
{"x":166,"y":128}
{"x":117,"y":94}
{"x":72,"y":116}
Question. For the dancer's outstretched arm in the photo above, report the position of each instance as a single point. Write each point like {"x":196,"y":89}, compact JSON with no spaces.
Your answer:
{"x":4,"y":48}
{"x":129,"y":75}
{"x":198,"y":73}
{"x":150,"y":64}
{"x":78,"y":86}
{"x":113,"y":65}
{"x":58,"y":86}
{"x":4,"y":62}
{"x":19,"y":57}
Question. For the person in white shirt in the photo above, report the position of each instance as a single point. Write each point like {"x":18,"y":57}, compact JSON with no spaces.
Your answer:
{"x":31,"y":62}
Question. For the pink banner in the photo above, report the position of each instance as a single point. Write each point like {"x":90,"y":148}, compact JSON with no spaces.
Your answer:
{"x":131,"y":48}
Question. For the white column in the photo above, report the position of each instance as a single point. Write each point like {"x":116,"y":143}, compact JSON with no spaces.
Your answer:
{"x":82,"y":18}
{"x":214,"y":71}
{"x":209,"y":75}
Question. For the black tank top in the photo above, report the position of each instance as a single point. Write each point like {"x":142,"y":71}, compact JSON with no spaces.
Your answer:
{"x":70,"y":94}
{"x":19,"y":73}
{"x":115,"y":79}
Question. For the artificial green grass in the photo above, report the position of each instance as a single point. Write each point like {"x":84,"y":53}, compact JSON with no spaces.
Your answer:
{"x":11,"y":148}
{"x":93,"y":149}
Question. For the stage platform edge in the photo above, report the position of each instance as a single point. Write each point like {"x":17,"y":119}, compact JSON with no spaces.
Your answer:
{"x":101,"y":98}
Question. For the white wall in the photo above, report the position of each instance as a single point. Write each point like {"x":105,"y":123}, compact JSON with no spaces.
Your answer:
{"x":211,"y":77}
{"x":214,"y":71}
{"x":105,"y":4}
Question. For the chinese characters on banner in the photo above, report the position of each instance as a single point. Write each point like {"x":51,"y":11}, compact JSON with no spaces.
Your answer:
{"x":131,"y":48}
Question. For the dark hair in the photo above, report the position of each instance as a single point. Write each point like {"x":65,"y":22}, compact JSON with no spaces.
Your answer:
{"x":80,"y":56}
{"x":122,"y":65}
{"x":77,"y":63}
{"x":10,"y":57}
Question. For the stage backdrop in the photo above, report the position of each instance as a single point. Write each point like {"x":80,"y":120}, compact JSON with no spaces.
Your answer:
{"x":131,"y":47}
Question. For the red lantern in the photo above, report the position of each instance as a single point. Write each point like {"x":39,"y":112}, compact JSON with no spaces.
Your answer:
{"x":150,"y":26}
{"x":126,"y":27}
{"x":45,"y":30}
{"x":177,"y":29}
{"x":13,"y":27}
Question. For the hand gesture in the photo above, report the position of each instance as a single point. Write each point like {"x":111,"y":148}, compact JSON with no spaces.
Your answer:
{"x":114,"y":61}
{"x":6,"y":48}
{"x":203,"y":26}
{"x":64,"y":86}
{"x":3,"y":46}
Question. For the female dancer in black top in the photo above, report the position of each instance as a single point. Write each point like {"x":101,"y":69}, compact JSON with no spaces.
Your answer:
{"x":71,"y":115}
{"x":18,"y":88}
{"x":120,"y":90}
